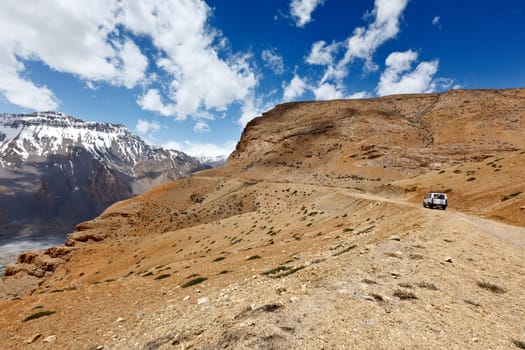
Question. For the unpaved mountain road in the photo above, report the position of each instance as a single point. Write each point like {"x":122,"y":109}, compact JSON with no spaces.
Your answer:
{"x":514,"y":235}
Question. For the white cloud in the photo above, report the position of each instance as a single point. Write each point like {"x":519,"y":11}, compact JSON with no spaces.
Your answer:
{"x":399,"y":78}
{"x":23,"y":92}
{"x":294,"y":89}
{"x":274,"y":61}
{"x":364,"y":42}
{"x":250,"y":109}
{"x":151,"y":101}
{"x":322,"y":54}
{"x":92,"y":40}
{"x":301,"y":10}
{"x":327,"y":91}
{"x":197,"y":149}
{"x":75,"y":37}
{"x":145,"y":126}
{"x":359,"y":95}
{"x":200,"y":78}
{"x":436,"y":21}
{"x":201,"y":127}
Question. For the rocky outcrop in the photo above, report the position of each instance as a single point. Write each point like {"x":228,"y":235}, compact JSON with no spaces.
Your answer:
{"x":404,"y":135}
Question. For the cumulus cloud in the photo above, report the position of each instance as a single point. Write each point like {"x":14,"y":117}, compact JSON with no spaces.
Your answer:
{"x":201,"y":127}
{"x":301,"y":10}
{"x":294,"y":89}
{"x":321,"y":53}
{"x":250,"y":109}
{"x":400,"y":78}
{"x":359,"y":95}
{"x":436,"y":21}
{"x":152,"y":101}
{"x":363,"y":42}
{"x":96,"y":42}
{"x":274,"y":61}
{"x":201,"y":149}
{"x":145,"y":126}
{"x":201,"y":76}
{"x":327,"y":91}
{"x":70,"y":37}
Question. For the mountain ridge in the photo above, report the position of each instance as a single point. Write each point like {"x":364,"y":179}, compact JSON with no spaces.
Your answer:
{"x":312,"y":235}
{"x":57,"y":170}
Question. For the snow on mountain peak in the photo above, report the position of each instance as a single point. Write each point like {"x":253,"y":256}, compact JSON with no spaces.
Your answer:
{"x":32,"y":137}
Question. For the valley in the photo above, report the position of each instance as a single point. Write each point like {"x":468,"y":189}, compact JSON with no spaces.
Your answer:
{"x":312,"y":235}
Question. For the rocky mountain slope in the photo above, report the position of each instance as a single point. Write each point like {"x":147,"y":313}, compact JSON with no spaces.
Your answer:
{"x":312,"y":236}
{"x":56,"y":170}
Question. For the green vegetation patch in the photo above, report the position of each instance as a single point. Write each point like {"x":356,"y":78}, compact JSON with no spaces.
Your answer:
{"x":509,"y":196}
{"x":63,"y":290}
{"x":164,"y":275}
{"x":519,"y":344}
{"x":38,"y":315}
{"x":427,"y":285}
{"x":345,"y":250}
{"x":492,"y":287}
{"x":282,"y":271}
{"x":254,"y":257}
{"x":404,"y":294}
{"x":194,"y":282}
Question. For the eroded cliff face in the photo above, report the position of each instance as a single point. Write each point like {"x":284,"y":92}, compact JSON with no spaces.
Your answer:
{"x":312,"y":235}
{"x":393,"y":136}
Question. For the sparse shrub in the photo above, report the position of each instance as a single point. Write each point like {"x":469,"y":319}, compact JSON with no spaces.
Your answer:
{"x":63,"y":290}
{"x":220,"y":258}
{"x":457,"y":171}
{"x":509,"y":196}
{"x":194,"y":282}
{"x":490,"y":286}
{"x":416,"y":256}
{"x":164,"y":275}
{"x":405,"y":285}
{"x":282,"y":271}
{"x":377,"y":297}
{"x":368,"y":281}
{"x":345,"y":250}
{"x":149,"y":273}
{"x":404,"y":294}
{"x":348,"y":229}
{"x":254,"y":257}
{"x":223,"y":272}
{"x":471,"y":178}
{"x":427,"y":285}
{"x":468,"y":301}
{"x":38,"y":315}
{"x":519,"y":344}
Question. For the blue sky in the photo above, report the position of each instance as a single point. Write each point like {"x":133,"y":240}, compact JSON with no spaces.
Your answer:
{"x":189,"y":74}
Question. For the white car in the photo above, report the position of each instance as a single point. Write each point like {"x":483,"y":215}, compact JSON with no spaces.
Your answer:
{"x":435,"y":199}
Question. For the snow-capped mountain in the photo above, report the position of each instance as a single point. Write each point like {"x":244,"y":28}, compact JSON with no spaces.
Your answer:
{"x":56,"y":170}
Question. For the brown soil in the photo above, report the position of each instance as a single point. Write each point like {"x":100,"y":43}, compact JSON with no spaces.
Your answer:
{"x":313,"y":236}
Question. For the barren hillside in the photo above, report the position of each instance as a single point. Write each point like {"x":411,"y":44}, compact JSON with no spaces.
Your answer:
{"x":312,"y":236}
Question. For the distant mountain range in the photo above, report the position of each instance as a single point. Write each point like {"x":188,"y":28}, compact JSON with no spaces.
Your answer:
{"x":56,"y":171}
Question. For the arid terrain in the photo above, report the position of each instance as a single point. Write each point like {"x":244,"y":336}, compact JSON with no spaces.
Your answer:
{"x":312,"y":236}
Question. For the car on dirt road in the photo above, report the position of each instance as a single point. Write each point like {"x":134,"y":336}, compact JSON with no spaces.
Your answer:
{"x":435,"y":200}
